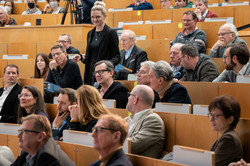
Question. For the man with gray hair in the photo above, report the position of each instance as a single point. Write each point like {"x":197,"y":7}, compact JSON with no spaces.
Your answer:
{"x":131,"y":55}
{"x":169,"y":91}
{"x":146,"y":128}
{"x":199,"y":67}
{"x":4,"y":18}
{"x":37,"y":144}
{"x":143,"y":73}
{"x":227,"y":35}
{"x":104,"y":74}
{"x":202,"y":11}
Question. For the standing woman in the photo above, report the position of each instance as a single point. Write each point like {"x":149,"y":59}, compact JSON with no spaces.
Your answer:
{"x":41,"y":66}
{"x":102,"y":43}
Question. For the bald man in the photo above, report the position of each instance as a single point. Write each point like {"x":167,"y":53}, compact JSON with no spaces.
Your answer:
{"x":146,"y":128}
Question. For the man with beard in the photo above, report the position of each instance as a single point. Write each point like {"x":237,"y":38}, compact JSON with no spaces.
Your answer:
{"x":236,"y":59}
{"x":62,"y":120}
{"x":63,"y":71}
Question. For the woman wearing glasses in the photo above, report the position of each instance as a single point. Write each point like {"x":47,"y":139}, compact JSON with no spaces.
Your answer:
{"x":102,"y":43}
{"x":31,"y":102}
{"x":85,"y":114}
{"x":224,"y":114}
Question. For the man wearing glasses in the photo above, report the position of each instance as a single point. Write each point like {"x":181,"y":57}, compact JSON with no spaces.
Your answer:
{"x":146,"y":128}
{"x":66,"y":41}
{"x":37,"y":144}
{"x":227,"y":35}
{"x":109,"y":135}
{"x":104,"y":75}
{"x":191,"y":33}
{"x":63,"y":71}
{"x":9,"y":95}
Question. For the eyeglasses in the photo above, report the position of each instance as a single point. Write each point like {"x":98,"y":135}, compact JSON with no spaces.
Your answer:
{"x":23,"y":95}
{"x":225,"y":57}
{"x":214,"y":116}
{"x":141,"y":72}
{"x":184,"y":20}
{"x":99,"y":72}
{"x":62,"y":41}
{"x":21,"y":131}
{"x":98,"y":130}
{"x":224,"y":33}
{"x":130,"y":94}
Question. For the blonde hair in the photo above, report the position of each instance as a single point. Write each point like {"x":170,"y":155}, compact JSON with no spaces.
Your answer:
{"x":90,"y":104}
{"x":99,"y":5}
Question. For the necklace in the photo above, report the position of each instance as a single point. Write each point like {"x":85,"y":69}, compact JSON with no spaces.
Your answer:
{"x":97,"y":34}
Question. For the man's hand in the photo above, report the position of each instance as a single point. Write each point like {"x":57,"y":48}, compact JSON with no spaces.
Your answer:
{"x":77,"y":58}
{"x":218,"y":43}
{"x":53,"y":65}
{"x":198,"y":13}
{"x":73,"y":109}
{"x":59,"y":119}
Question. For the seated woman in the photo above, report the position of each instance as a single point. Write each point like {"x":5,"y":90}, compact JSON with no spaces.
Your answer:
{"x":5,"y":19}
{"x":41,"y":66}
{"x":54,"y":6}
{"x":33,"y":9}
{"x":9,"y":5}
{"x":90,"y":106}
{"x":224,"y":114}
{"x":31,"y":102}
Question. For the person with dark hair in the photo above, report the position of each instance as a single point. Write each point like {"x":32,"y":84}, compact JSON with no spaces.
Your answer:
{"x":54,"y":6}
{"x":202,"y":11}
{"x":104,"y":74}
{"x":169,"y":91}
{"x":236,"y":59}
{"x":146,"y":128}
{"x":227,"y":35}
{"x":141,"y":5}
{"x":31,"y":102}
{"x":191,"y":33}
{"x":199,"y":67}
{"x":183,"y":4}
{"x":38,"y":146}
{"x":33,"y":9}
{"x":86,"y":113}
{"x":9,"y":94}
{"x":9,"y":6}
{"x":61,"y":122}
{"x":131,"y":55}
{"x":41,"y":66}
{"x":224,"y":114}
{"x":4,"y":18}
{"x":63,"y":71}
{"x":109,"y":134}
{"x":102,"y":43}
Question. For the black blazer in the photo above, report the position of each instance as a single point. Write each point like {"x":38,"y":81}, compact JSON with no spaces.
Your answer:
{"x":108,"y":50}
{"x":118,"y":92}
{"x":133,"y":62}
{"x":10,"y":105}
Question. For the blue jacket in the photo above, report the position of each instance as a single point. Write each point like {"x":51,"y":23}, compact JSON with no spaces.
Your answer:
{"x":143,"y":6}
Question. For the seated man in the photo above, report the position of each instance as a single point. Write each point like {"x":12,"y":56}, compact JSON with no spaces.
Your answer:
{"x":109,"y":135}
{"x":9,"y":95}
{"x":169,"y":91}
{"x":175,"y":61}
{"x":4,"y":18}
{"x":37,"y":144}
{"x":143,"y":73}
{"x":199,"y":67}
{"x":62,"y":120}
{"x":104,"y":74}
{"x":166,"y":4}
{"x":66,"y":41}
{"x":183,"y":4}
{"x":227,"y":35}
{"x":146,"y":128}
{"x":141,"y":5}
{"x":202,"y":11}
{"x":191,"y":34}
{"x":131,"y":55}
{"x":236,"y":60}
{"x":63,"y":71}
